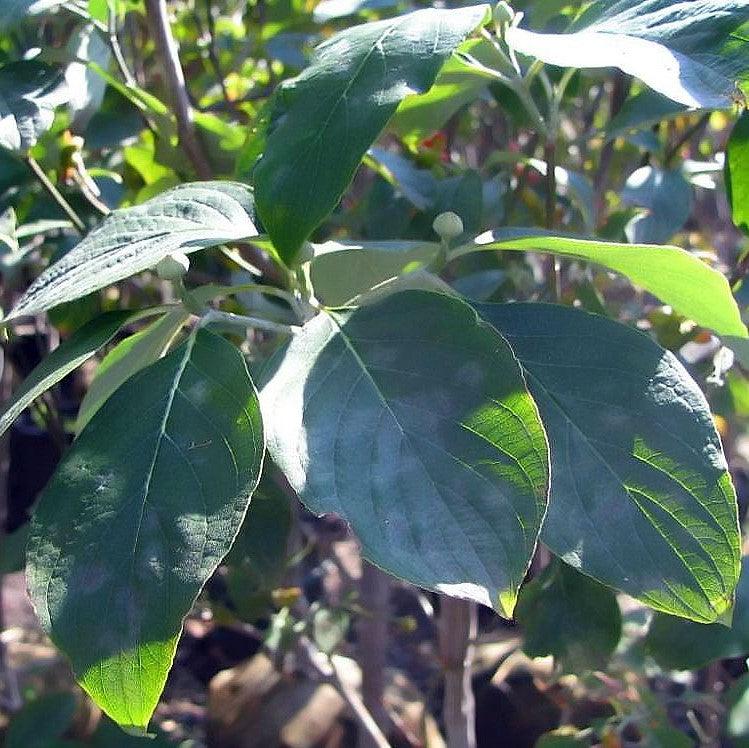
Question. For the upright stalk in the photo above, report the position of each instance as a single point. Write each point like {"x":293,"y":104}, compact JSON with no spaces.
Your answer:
{"x":458,"y":626}
{"x":158,"y":22}
{"x":374,"y":593}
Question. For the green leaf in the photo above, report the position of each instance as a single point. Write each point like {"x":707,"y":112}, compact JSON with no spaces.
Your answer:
{"x":69,"y":355}
{"x":570,"y":616}
{"x":410,"y":419}
{"x":127,"y":358}
{"x":256,"y":563}
{"x":641,"y":498}
{"x":644,"y":109}
{"x":187,"y":218}
{"x":41,"y":721}
{"x":677,"y":644}
{"x":683,"y":49}
{"x":13,"y":550}
{"x":669,"y":273}
{"x":141,"y":510}
{"x":737,"y":172}
{"x":341,"y":271}
{"x":14,"y":11}
{"x":322,"y":122}
{"x":456,"y":85}
{"x":30,"y":91}
{"x":667,"y":198}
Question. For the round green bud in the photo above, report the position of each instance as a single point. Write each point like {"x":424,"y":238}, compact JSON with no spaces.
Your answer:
{"x":173,"y":267}
{"x":448,"y":225}
{"x":502,"y":14}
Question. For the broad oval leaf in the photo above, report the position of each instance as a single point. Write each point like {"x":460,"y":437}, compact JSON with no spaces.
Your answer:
{"x":737,"y":172}
{"x":68,"y":356}
{"x":641,"y":498}
{"x":341,"y":271}
{"x":30,"y":91}
{"x":456,"y":85}
{"x":186,"y":218}
{"x":138,"y":515}
{"x":669,"y":273}
{"x":676,"y":644}
{"x":322,"y":122}
{"x":128,"y":357}
{"x":410,"y":418}
{"x":682,"y":49}
{"x":570,"y":616}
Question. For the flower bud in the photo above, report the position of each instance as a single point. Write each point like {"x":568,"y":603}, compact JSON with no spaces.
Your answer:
{"x":173,"y":267}
{"x":448,"y":225}
{"x":502,"y":14}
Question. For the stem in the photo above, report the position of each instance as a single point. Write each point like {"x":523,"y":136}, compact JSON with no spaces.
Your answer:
{"x":55,"y":194}
{"x":374,"y":593}
{"x":458,"y":628}
{"x":619,"y":93}
{"x":213,"y":53}
{"x":331,"y":674}
{"x":685,"y":137}
{"x":550,"y":156}
{"x":114,"y":44}
{"x":213,"y":316}
{"x":158,"y":22}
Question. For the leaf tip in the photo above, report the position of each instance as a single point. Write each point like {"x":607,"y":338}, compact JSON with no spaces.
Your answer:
{"x":506,"y":602}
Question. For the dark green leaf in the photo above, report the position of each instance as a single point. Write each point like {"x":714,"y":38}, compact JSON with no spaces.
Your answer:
{"x":669,"y":273}
{"x":138,"y":515}
{"x":41,"y":721}
{"x":340,"y":271}
{"x":257,"y":561}
{"x":187,"y":218}
{"x":127,"y":358}
{"x":684,"y":645}
{"x":409,"y":418}
{"x":666,"y":197}
{"x":69,"y":355}
{"x":456,"y":85}
{"x":570,"y":616}
{"x":13,"y":550}
{"x":323,"y":121}
{"x":683,"y":49}
{"x":737,"y":172}
{"x":641,"y":111}
{"x":30,"y":91}
{"x":640,"y":495}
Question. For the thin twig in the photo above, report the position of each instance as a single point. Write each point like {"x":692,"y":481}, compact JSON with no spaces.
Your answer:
{"x":158,"y":22}
{"x":213,"y":53}
{"x":55,"y":194}
{"x":685,"y":137}
{"x":114,"y":44}
{"x":331,"y":674}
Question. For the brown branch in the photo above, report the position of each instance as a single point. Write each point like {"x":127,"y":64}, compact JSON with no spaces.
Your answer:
{"x":457,"y":628}
{"x":158,"y":22}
